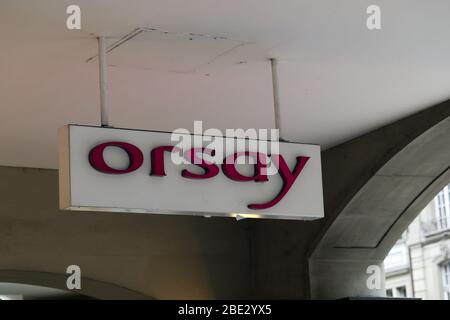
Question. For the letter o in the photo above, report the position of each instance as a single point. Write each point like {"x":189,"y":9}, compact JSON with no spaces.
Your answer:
{"x":135,"y":157}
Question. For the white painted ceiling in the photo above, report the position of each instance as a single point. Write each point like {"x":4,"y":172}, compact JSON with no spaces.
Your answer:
{"x":337,"y":79}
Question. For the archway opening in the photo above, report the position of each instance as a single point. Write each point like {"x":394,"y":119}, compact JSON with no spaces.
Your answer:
{"x":20,"y":291}
{"x":418,"y":265}
{"x":24,"y":285}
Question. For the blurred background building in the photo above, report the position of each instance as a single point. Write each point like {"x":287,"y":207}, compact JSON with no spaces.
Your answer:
{"x":419,"y":263}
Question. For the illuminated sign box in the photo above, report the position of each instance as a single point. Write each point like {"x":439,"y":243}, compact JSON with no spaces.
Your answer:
{"x":123,"y":170}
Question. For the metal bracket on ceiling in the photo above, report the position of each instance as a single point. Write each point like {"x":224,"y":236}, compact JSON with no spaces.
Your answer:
{"x":118,"y":43}
{"x":103,"y":81}
{"x":103,"y":70}
{"x":276,"y":97}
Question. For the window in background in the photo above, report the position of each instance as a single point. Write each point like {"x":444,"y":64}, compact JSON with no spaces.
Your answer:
{"x":401,"y":292}
{"x":389,"y":293}
{"x":443,"y":208}
{"x":446,"y":280}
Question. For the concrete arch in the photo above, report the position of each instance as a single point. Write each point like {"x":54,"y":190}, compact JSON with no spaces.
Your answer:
{"x":373,"y":218}
{"x":91,"y":288}
{"x":328,"y":258}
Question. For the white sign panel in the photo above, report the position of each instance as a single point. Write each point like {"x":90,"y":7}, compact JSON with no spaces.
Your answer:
{"x":122,"y":170}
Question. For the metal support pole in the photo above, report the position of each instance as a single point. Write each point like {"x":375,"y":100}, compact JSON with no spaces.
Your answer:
{"x":103,"y":75}
{"x":276,"y":96}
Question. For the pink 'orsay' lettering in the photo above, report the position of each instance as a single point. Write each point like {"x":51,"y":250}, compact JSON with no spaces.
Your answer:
{"x":210,"y":170}
{"x":288,"y":180}
{"x":259,"y":174}
{"x":157,"y":158}
{"x":97,"y":160}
